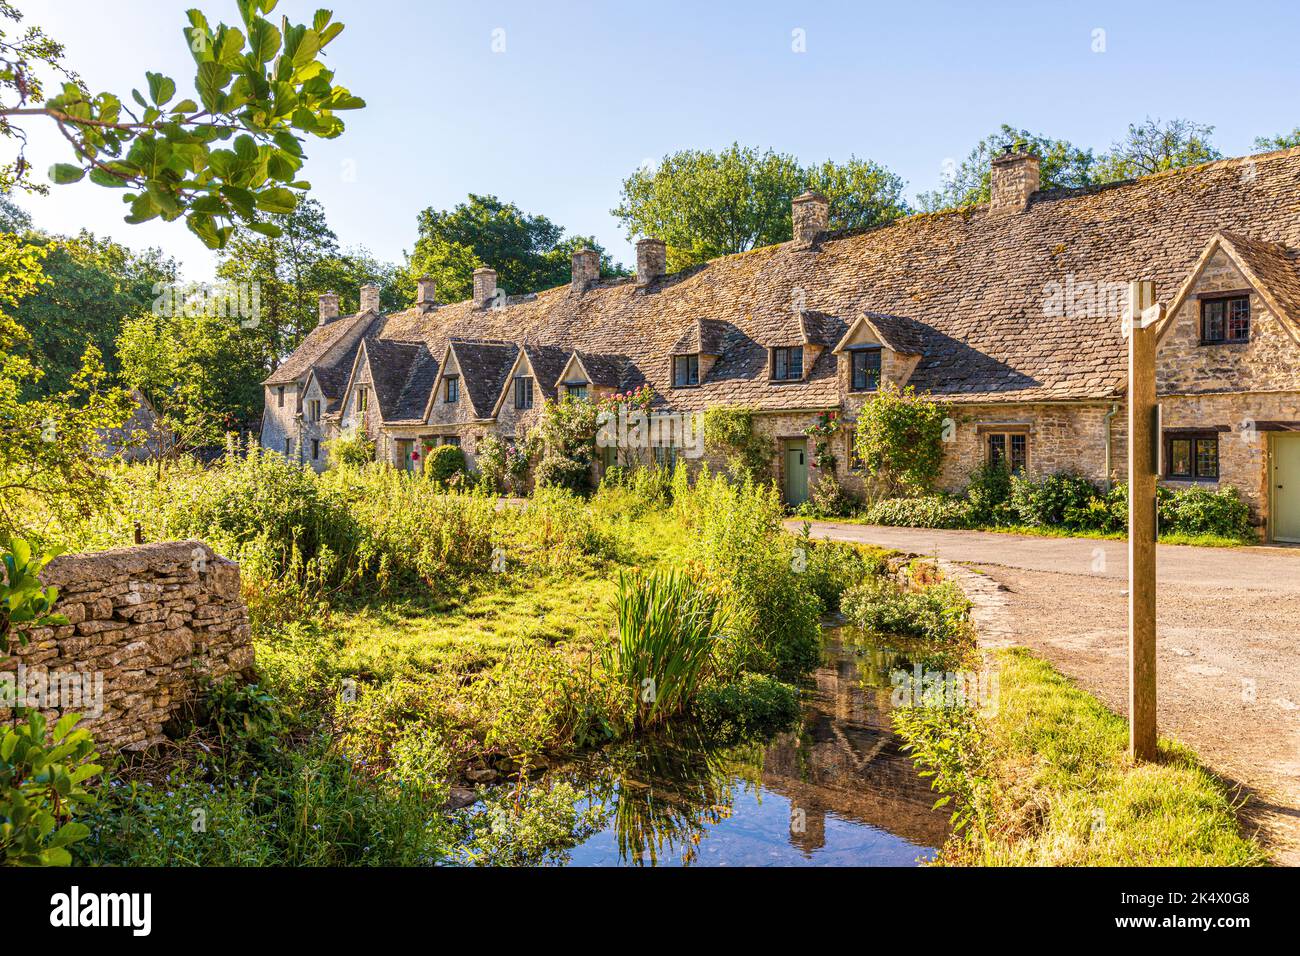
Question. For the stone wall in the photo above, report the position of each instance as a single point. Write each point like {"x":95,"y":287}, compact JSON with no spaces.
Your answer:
{"x":146,"y":623}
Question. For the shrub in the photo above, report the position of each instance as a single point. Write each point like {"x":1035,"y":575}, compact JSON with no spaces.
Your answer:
{"x":317,"y":809}
{"x":899,"y":438}
{"x":42,"y":790}
{"x":564,"y":443}
{"x":989,"y":494}
{"x":936,"y":612}
{"x":351,"y":448}
{"x":1200,"y":511}
{"x":444,"y":461}
{"x":667,"y":628}
{"x":755,"y":705}
{"x":835,"y":566}
{"x":729,"y":432}
{"x":928,"y":511}
{"x":736,"y":536}
{"x":1062,"y":500}
{"x":830,"y":498}
{"x":556,"y":471}
{"x":490,"y":459}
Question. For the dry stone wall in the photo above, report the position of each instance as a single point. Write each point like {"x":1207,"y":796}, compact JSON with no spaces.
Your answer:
{"x":146,"y":624}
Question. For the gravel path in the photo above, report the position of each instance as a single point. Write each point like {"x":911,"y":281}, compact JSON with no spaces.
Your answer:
{"x":1228,"y":643}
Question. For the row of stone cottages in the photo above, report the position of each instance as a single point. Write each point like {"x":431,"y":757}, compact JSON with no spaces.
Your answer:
{"x":1010,"y":313}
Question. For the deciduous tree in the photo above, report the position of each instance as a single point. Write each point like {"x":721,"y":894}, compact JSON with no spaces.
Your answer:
{"x":705,"y":204}
{"x":529,"y":252}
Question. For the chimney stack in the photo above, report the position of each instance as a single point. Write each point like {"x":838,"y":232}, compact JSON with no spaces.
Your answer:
{"x":485,"y":286}
{"x":651,"y":260}
{"x":811,"y":215}
{"x":370,"y":297}
{"x":586,"y":268}
{"x":424,"y":295}
{"x":328,"y":303}
{"x":1013,"y":178}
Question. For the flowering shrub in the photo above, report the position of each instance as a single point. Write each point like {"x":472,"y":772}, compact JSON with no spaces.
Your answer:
{"x":900,"y":438}
{"x":820,"y":432}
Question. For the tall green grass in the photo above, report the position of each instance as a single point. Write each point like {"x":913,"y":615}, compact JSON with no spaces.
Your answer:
{"x":668,"y":626}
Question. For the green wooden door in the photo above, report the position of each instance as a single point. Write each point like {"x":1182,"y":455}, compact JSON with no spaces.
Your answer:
{"x":1286,"y":488}
{"x":796,"y":472}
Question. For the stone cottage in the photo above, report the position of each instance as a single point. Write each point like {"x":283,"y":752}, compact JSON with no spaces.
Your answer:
{"x":1009,"y":313}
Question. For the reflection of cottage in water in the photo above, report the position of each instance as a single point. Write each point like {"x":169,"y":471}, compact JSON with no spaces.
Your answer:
{"x":847,"y":761}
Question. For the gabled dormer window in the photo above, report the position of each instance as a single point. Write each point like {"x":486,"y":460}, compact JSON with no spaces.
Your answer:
{"x":576,"y":389}
{"x":1225,"y":320}
{"x":686,"y":371}
{"x":451,"y":389}
{"x":363,"y":399}
{"x":523,"y":392}
{"x":866,"y":369}
{"x":313,"y":410}
{"x":787,"y":364}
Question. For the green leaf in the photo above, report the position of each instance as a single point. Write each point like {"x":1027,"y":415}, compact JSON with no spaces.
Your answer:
{"x":65,"y":724}
{"x":161,"y":88}
{"x":263,"y":40}
{"x":70,"y":832}
{"x":266,"y":229}
{"x":277,"y":200}
{"x":211,"y":82}
{"x":186,"y":106}
{"x":64,"y":173}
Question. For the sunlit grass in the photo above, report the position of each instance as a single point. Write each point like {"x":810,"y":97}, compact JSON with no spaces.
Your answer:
{"x":1071,"y":796}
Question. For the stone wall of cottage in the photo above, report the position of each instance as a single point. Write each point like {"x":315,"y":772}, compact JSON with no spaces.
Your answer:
{"x":1243,"y":448}
{"x":1268,"y":362}
{"x":1062,"y":438}
{"x":146,"y":624}
{"x":1230,"y":388}
{"x":279,"y":421}
{"x":315,"y":431}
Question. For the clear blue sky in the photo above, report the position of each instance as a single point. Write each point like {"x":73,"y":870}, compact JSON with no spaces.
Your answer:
{"x":586,"y":92}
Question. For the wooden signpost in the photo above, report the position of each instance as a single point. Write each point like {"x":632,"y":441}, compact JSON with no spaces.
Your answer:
{"x":1143,"y":459}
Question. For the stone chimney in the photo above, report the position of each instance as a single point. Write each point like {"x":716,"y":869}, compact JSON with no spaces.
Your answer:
{"x":651,"y":260}
{"x":485,"y":286}
{"x":424,"y":295}
{"x":328,"y":303}
{"x":811,"y":214}
{"x":370,"y":297}
{"x":1013,"y":178}
{"x":586,"y":268}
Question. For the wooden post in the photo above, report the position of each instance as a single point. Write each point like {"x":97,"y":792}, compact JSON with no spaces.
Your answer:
{"x":1142,"y":457}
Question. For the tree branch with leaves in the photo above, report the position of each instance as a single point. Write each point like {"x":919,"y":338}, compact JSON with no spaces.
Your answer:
{"x":225,"y":158}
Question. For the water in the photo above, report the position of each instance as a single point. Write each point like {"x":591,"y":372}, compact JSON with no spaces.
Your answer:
{"x":836,"y":791}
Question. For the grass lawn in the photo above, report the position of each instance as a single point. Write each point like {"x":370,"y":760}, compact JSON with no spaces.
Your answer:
{"x":1059,"y":789}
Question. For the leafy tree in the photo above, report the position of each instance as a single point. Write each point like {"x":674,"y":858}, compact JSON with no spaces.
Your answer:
{"x":1063,"y":166}
{"x":201,"y":372}
{"x":230,"y":157}
{"x":13,"y":217}
{"x":1153,"y":147}
{"x":1265,"y":144}
{"x":529,"y":252}
{"x":899,"y":439}
{"x":291,"y":270}
{"x":47,"y":444}
{"x":285,"y":269}
{"x":705,"y":204}
{"x":93,"y":284}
